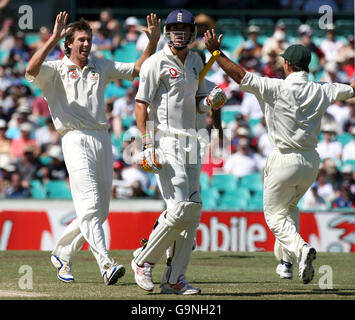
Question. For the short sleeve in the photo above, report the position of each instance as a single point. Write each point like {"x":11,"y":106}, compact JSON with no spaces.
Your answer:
{"x":339,"y":91}
{"x":119,"y":70}
{"x":148,"y":82}
{"x":262,"y":87}
{"x":44,"y":76}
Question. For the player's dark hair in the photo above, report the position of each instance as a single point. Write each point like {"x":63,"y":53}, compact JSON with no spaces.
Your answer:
{"x":298,"y":68}
{"x":81,"y":25}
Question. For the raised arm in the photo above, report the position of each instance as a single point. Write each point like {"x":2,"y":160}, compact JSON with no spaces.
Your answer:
{"x":153,"y":33}
{"x":235,"y":71}
{"x":59,"y":31}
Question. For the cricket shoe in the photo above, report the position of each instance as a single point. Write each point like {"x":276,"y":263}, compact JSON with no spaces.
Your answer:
{"x":182,"y":287}
{"x":285,"y":271}
{"x":143,"y":275}
{"x":305,"y":268}
{"x":63,"y":269}
{"x":112,"y":273}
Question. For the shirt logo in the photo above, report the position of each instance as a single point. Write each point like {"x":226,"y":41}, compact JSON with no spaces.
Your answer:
{"x":173,"y":72}
{"x":93,"y":75}
{"x":73,"y":73}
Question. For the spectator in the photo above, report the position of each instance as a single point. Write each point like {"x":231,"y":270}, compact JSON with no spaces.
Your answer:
{"x":340,"y":111}
{"x":7,"y":39}
{"x":101,"y":42}
{"x":250,"y":107}
{"x":203,"y":23}
{"x":46,"y":135}
{"x":333,"y":73}
{"x":330,"y":46}
{"x":253,"y":34}
{"x":5,"y":143}
{"x":44,"y":34}
{"x":349,"y":177}
{"x":27,"y":166}
{"x":18,"y":145}
{"x":5,"y":81}
{"x":40,"y":108}
{"x":264,"y":145}
{"x":133,"y":28}
{"x":328,"y":147}
{"x":351,"y":116}
{"x":344,"y":198}
{"x":271,"y":69}
{"x":111,"y":26}
{"x":20,"y":53}
{"x":306,"y":33}
{"x":6,"y":169}
{"x":56,"y":169}
{"x":260,"y":128}
{"x":312,"y":200}
{"x":349,"y":148}
{"x":242,"y":162}
{"x":16,"y":190}
{"x":278,"y":44}
{"x":325,"y":189}
{"x":137,"y":179}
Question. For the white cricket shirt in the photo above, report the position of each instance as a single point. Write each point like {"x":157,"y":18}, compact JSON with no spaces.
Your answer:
{"x":170,"y":88}
{"x":75,"y":96}
{"x":293,"y":107}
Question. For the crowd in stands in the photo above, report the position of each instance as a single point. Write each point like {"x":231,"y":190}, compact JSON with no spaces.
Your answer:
{"x":30,"y":149}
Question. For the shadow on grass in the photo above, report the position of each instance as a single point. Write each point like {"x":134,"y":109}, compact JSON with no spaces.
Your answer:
{"x":225,"y":256}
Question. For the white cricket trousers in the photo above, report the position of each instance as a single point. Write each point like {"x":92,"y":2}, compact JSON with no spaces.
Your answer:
{"x":179,"y":180}
{"x":89,"y":161}
{"x":287,"y":176}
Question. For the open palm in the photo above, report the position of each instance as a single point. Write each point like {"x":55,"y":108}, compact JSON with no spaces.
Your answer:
{"x":153,"y":28}
{"x":60,"y":30}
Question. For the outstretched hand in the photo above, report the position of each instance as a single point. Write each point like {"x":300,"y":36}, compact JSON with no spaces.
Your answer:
{"x":211,"y":41}
{"x":153,"y":28}
{"x":60,"y":30}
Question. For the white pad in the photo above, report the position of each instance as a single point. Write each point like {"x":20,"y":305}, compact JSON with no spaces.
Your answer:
{"x":170,"y":224}
{"x":179,"y":254}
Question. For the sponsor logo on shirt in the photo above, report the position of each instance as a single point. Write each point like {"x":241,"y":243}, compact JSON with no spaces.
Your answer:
{"x":173,"y":72}
{"x":73,"y":73}
{"x":93,"y":75}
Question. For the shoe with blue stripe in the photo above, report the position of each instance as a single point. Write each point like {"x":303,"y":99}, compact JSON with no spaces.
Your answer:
{"x":112,"y":273}
{"x":63,"y":269}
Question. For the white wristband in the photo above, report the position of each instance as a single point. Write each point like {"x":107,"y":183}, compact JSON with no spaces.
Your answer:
{"x":203,"y":105}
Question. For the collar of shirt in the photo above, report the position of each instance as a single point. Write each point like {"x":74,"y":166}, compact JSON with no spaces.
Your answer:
{"x":70,"y":63}
{"x":171,"y":55}
{"x":298,"y":76}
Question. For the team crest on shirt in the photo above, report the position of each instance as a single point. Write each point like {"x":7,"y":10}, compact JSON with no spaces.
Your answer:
{"x":73,"y":73}
{"x":93,"y":75}
{"x":173,"y":72}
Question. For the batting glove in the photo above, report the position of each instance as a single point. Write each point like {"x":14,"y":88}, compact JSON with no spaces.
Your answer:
{"x":151,"y":159}
{"x":217,"y":98}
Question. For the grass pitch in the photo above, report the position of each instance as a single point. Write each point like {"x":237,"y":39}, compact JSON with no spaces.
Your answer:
{"x":220,"y":275}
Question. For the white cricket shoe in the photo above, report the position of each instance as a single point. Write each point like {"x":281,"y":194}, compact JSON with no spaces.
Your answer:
{"x":63,"y":269}
{"x":112,"y":273}
{"x":182,"y":287}
{"x":143,"y":275}
{"x":305,"y":268}
{"x":284,"y":272}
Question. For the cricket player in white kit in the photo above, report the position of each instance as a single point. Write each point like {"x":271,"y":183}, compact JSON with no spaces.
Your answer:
{"x":74,"y":88}
{"x":169,"y":96}
{"x":293,"y":109}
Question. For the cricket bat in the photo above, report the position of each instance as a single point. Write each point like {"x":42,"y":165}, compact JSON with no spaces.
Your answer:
{"x":208,"y":65}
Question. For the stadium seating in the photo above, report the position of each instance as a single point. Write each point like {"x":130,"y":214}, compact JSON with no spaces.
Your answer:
{"x":228,"y":116}
{"x":37,"y":190}
{"x":204,"y":181}
{"x":210,"y":198}
{"x":253,"y":182}
{"x":58,"y":189}
{"x":224,"y":182}
{"x":344,"y":138}
{"x":126,"y":53}
{"x":266,"y":25}
{"x":230,"y":202}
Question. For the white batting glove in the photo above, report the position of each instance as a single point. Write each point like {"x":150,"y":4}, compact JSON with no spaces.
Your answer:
{"x":151,"y":159}
{"x":216,"y":98}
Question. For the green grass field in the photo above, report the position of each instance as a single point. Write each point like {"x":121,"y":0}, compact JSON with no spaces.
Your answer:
{"x":220,"y":275}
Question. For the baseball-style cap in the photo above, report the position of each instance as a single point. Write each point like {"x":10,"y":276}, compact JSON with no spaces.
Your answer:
{"x":297,"y":55}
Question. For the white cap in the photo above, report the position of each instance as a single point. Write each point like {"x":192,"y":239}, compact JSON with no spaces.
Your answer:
{"x":305,"y":28}
{"x":3,"y":124}
{"x":26,"y":126}
{"x":279,"y":35}
{"x":56,"y":152}
{"x":242,"y":131}
{"x":132,"y":21}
